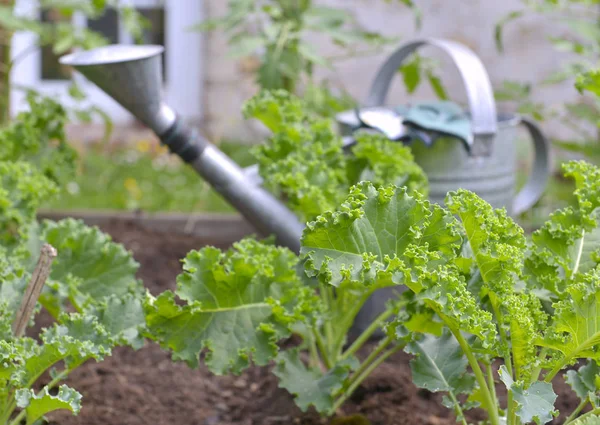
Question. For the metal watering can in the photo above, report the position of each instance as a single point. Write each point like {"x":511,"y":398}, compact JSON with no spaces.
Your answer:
{"x":132,"y":75}
{"x":484,"y":161}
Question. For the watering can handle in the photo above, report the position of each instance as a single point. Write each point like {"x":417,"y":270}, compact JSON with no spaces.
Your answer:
{"x":475,"y":78}
{"x":536,"y":184}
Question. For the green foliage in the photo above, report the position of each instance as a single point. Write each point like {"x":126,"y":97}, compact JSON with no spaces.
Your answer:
{"x":585,"y":382}
{"x":310,"y":386}
{"x":42,"y":140}
{"x":62,"y":36}
{"x":439,"y":365}
{"x":484,"y":280}
{"x":580,"y":38}
{"x":276,"y":31}
{"x":304,"y":160}
{"x":22,"y":190}
{"x":142,"y":177}
{"x":325,"y":102}
{"x":588,"y":420}
{"x":418,"y":68}
{"x":472,"y":289}
{"x":93,"y":278}
{"x":37,"y":405}
{"x":536,"y":403}
{"x":236,"y":305}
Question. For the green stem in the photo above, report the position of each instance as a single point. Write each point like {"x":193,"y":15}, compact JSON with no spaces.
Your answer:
{"x":322,"y":348}
{"x":363,"y":375}
{"x":590,"y":413}
{"x":11,"y":406}
{"x":550,"y":376}
{"x":535,"y":373}
{"x":314,"y":355}
{"x":5,"y":75}
{"x":577,"y":410}
{"x":367,"y":333}
{"x":579,"y":254}
{"x":17,"y":420}
{"x":328,"y":297}
{"x":459,"y":412}
{"x":364,"y":365}
{"x":346,"y":323}
{"x":62,"y":375}
{"x":490,"y":404}
{"x":491,"y":383}
{"x":511,"y":415}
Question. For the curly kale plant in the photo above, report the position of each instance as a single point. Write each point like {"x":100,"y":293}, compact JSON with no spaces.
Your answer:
{"x":494,"y":294}
{"x":305,"y":163}
{"x":473,"y":290}
{"x":92,"y":292}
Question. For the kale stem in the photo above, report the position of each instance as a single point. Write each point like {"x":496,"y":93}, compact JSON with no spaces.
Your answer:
{"x":358,"y":379}
{"x":364,"y":365}
{"x":366,"y":334}
{"x":314,"y":355}
{"x":579,"y":253}
{"x":322,"y":348}
{"x":11,"y":406}
{"x":577,"y":410}
{"x":550,"y":376}
{"x":490,"y":404}
{"x":62,"y":375}
{"x":328,"y":296}
{"x":535,"y":373}
{"x":590,"y":413}
{"x":510,"y":407}
{"x":491,"y":383}
{"x":346,"y":324}
{"x":511,"y":416}
{"x":17,"y":420}
{"x":458,"y":410}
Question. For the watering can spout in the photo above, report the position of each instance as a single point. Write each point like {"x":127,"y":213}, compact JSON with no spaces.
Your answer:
{"x":132,"y":76}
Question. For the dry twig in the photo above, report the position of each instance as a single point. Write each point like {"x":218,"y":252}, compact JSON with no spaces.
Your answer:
{"x":34,"y":289}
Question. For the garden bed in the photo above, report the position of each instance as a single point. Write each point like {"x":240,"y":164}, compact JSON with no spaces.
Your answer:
{"x":146,"y":387}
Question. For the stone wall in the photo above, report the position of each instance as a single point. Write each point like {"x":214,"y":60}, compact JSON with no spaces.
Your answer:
{"x":528,"y":57}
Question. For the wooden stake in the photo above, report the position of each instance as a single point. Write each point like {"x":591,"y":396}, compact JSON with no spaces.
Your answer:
{"x":34,"y":289}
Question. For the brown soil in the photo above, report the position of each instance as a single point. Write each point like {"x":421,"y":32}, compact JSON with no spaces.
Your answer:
{"x":146,"y":387}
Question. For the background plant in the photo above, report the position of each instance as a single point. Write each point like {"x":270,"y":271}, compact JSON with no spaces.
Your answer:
{"x":305,"y":163}
{"x":92,"y":281}
{"x":62,"y":36}
{"x":142,"y":176}
{"x":578,"y":19}
{"x":275,"y":33}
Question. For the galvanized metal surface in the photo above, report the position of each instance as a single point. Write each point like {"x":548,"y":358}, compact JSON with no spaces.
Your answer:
{"x":128,"y":74}
{"x":132,"y":75}
{"x":490,"y":170}
{"x":477,"y":84}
